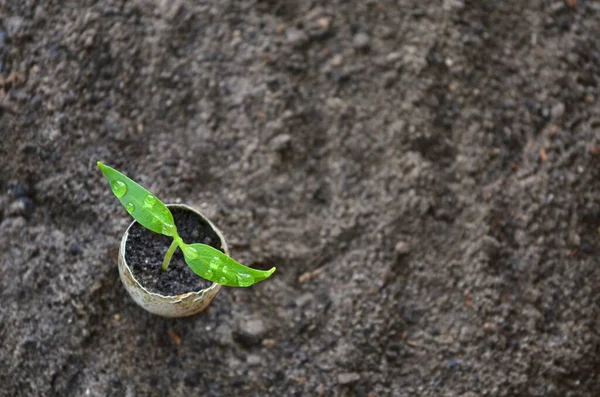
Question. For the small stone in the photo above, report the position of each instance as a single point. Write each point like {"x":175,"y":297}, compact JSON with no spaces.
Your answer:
{"x":361,"y":41}
{"x":253,"y":360}
{"x":250,"y":332}
{"x":433,"y":331}
{"x":304,"y":299}
{"x":281,"y":142}
{"x":402,"y":248}
{"x":18,"y":189}
{"x":336,"y":61}
{"x":223,"y":335}
{"x":115,"y":382}
{"x":296,"y":37}
{"x":389,"y":78}
{"x":13,"y":25}
{"x":21,"y":207}
{"x":339,"y":75}
{"x":348,"y":378}
{"x":35,"y":101}
{"x":324,"y":23}
{"x":558,"y":110}
{"x":490,"y":245}
{"x":317,"y":28}
{"x":454,"y":362}
{"x":448,"y":5}
{"x":321,"y":390}
{"x":467,"y":332}
{"x":171,"y":8}
{"x":39,"y":14}
{"x":393,"y":57}
{"x":574,"y":239}
{"x":75,"y":249}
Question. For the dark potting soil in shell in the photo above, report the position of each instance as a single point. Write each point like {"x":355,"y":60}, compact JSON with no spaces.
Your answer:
{"x":145,"y":251}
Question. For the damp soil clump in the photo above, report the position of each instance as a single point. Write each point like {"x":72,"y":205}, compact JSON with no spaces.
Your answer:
{"x":145,"y":251}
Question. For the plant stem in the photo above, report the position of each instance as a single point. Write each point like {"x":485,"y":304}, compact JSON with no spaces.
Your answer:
{"x":169,"y":255}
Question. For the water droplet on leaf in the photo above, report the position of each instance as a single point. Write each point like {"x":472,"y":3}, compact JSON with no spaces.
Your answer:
{"x":191,"y":253}
{"x":119,"y":188}
{"x":222,"y":280}
{"x":167,"y":228}
{"x":163,"y":214}
{"x":149,"y":201}
{"x":215,"y":262}
{"x":244,"y":279}
{"x":209,"y":273}
{"x":130,"y":207}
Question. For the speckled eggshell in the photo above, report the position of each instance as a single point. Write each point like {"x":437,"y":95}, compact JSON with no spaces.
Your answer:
{"x":183,"y":305}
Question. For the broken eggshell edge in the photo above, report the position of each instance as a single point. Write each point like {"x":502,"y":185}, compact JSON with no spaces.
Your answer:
{"x":182,"y":305}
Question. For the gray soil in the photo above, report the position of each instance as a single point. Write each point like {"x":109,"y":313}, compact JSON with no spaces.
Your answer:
{"x":145,"y":251}
{"x":424,"y":175}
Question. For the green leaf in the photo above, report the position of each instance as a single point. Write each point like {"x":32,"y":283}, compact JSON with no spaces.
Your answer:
{"x":142,"y":205}
{"x":215,"y":266}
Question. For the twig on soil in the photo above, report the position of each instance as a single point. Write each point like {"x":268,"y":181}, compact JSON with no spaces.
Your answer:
{"x":308,"y":276}
{"x":417,"y":345}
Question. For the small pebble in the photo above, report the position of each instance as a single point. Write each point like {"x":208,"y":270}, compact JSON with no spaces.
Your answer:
{"x":253,"y":360}
{"x":336,"y":61}
{"x":18,"y":189}
{"x":250,"y":332}
{"x":361,"y":41}
{"x":13,"y":25}
{"x":21,"y":207}
{"x":304,"y":299}
{"x":348,"y":378}
{"x":35,"y":101}
{"x":574,"y":239}
{"x":393,"y":57}
{"x":433,"y":331}
{"x":75,"y":249}
{"x":402,"y":248}
{"x":281,"y":142}
{"x":558,"y":110}
{"x":454,"y":362}
{"x":389,"y":78}
{"x":223,"y":335}
{"x":324,"y":23}
{"x":296,"y":37}
{"x":490,"y":245}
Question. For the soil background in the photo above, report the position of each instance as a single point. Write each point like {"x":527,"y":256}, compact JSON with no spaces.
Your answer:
{"x":425,"y":176}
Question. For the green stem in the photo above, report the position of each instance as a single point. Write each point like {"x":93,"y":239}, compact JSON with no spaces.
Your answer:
{"x":169,"y":254}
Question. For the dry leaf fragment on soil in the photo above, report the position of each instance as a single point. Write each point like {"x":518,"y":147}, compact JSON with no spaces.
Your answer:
{"x":175,"y":336}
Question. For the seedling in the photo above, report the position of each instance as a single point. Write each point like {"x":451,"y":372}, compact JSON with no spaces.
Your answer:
{"x":204,"y":260}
